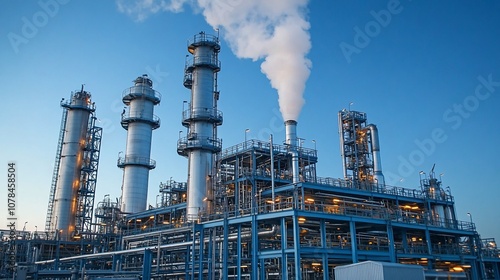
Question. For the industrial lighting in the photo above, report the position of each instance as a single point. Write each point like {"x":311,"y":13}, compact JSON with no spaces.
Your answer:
{"x":458,"y":269}
{"x":302,"y":220}
{"x":336,"y":200}
{"x":311,"y":200}
{"x":151,"y":217}
{"x":466,"y":266}
{"x":315,"y":264}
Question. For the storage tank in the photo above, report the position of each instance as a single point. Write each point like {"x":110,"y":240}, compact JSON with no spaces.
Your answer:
{"x":371,"y":270}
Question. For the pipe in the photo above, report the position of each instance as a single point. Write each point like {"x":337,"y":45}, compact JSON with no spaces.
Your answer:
{"x":291,"y":141}
{"x":271,"y":149}
{"x":375,"y":146}
{"x":341,"y":136}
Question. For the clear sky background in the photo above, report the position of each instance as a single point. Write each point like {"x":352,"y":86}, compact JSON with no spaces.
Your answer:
{"x":428,"y":77}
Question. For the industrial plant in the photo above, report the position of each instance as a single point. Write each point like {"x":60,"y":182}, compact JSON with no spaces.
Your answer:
{"x":253,"y":210}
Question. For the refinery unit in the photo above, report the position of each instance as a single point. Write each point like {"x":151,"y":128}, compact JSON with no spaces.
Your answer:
{"x":254,"y":210}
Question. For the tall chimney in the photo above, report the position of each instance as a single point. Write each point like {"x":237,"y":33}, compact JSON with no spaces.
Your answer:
{"x":291,"y":141}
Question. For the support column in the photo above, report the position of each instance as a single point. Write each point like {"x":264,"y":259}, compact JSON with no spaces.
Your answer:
{"x":390,"y":237}
{"x":354,"y":245}
{"x":284,"y":258}
{"x":322,"y":228}
{"x":146,"y":266}
{"x":296,"y":246}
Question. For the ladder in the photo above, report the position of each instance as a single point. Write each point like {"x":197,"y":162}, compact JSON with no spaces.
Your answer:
{"x":55,"y":174}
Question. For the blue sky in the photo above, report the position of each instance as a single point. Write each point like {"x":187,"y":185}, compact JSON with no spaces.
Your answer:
{"x":428,"y":77}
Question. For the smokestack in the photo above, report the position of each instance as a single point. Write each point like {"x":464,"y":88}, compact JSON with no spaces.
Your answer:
{"x":139,"y":121}
{"x":291,"y":141}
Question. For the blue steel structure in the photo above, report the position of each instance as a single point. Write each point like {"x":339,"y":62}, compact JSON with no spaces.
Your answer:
{"x":259,"y":220}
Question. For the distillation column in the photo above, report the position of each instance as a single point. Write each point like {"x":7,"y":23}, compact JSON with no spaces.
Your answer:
{"x":139,"y":121}
{"x":78,"y":109}
{"x":201,"y":119}
{"x":359,"y":149}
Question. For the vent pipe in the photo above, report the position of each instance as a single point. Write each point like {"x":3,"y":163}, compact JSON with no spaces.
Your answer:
{"x":291,"y":142}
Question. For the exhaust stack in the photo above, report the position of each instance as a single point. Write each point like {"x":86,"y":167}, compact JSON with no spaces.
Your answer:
{"x":291,"y":141}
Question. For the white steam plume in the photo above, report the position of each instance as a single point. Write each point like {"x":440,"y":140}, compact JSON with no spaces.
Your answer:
{"x":273,"y":30}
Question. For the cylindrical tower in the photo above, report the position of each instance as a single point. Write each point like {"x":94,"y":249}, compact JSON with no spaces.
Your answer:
{"x":292,"y":140}
{"x":78,"y":110}
{"x":139,"y":121}
{"x":201,"y":119}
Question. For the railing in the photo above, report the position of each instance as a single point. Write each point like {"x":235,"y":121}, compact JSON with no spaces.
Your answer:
{"x":141,"y":91}
{"x":202,"y":37}
{"x":79,"y":100}
{"x":346,"y":115}
{"x":195,"y":141}
{"x":202,"y":113}
{"x":265,"y":145}
{"x":136,"y":160}
{"x":206,"y":60}
{"x":374,"y":187}
{"x":128,"y":117}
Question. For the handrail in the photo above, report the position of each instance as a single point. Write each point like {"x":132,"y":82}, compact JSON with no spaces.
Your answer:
{"x":144,"y":91}
{"x":122,"y":161}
